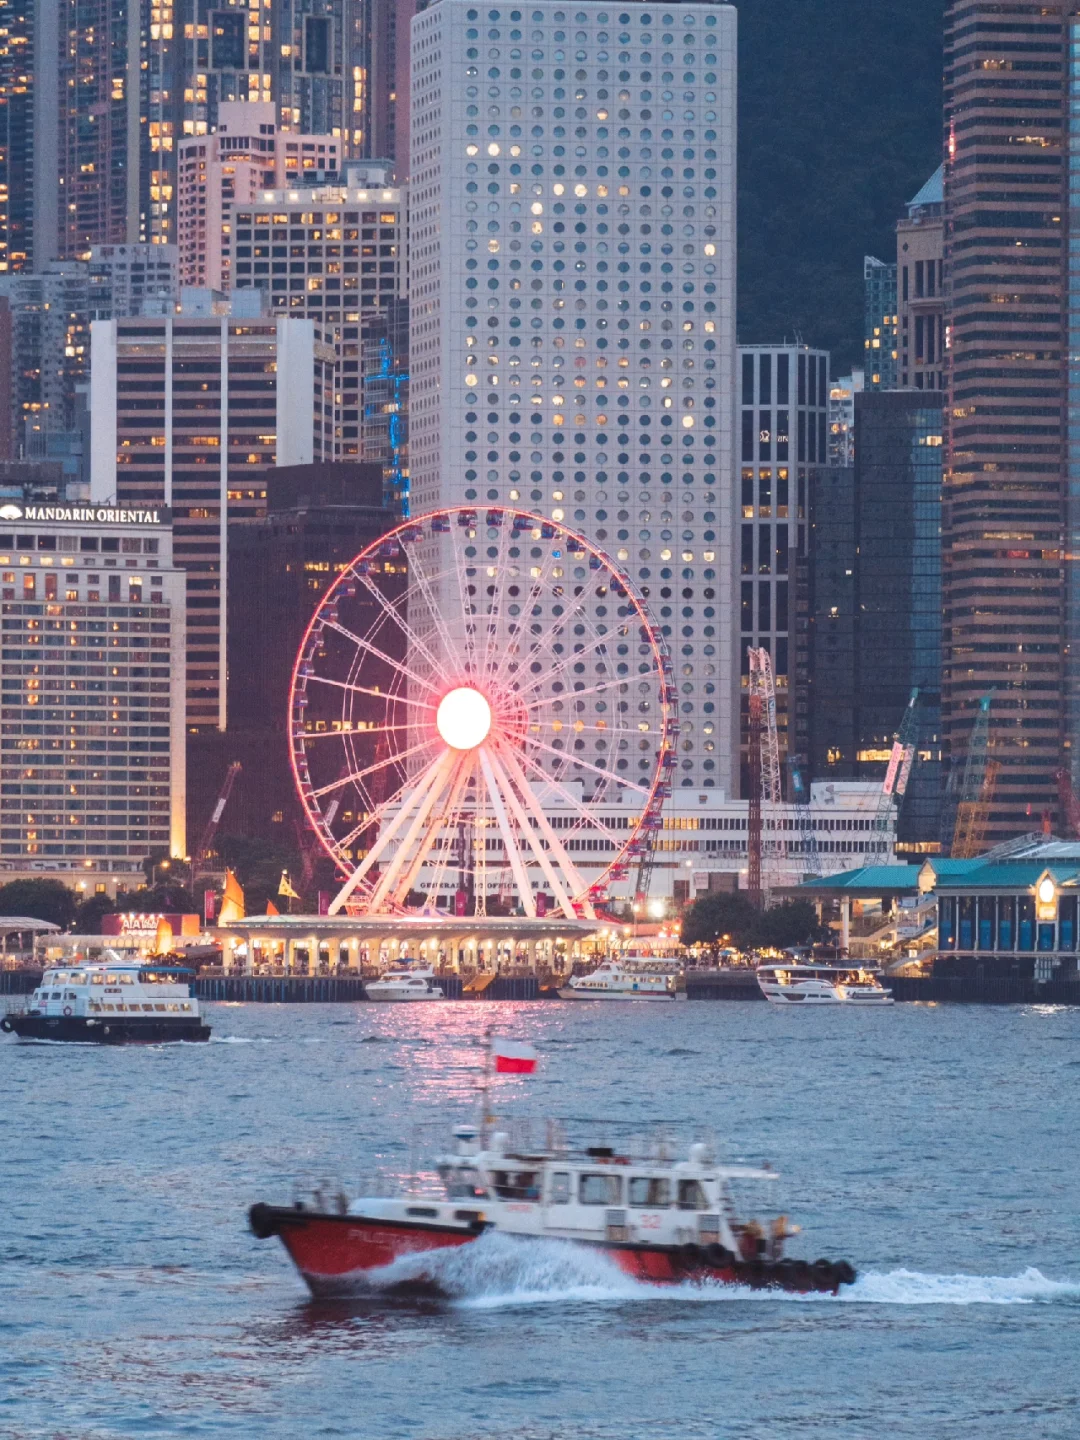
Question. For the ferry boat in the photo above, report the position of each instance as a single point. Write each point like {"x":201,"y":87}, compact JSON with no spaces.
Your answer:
{"x":631,"y":977}
{"x":662,"y":1217}
{"x":405,"y":985}
{"x":790,"y":983}
{"x":110,"y":1002}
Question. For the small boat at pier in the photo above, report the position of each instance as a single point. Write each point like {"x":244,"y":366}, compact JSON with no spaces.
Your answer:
{"x":790,"y":983}
{"x":404,"y":985}
{"x":629,"y":977}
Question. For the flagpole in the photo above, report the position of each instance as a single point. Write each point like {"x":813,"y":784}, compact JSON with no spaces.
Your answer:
{"x":485,"y":1119}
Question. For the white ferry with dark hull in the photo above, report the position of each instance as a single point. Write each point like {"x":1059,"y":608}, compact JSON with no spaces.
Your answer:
{"x":111,"y":1002}
{"x":662,"y":1217}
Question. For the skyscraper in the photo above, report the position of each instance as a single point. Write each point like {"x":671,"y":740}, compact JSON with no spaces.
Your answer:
{"x":572,"y":303}
{"x":783,"y":392}
{"x":188,"y":410}
{"x":879,"y":323}
{"x":29,"y":133}
{"x":1009,"y":292}
{"x":920,"y":295}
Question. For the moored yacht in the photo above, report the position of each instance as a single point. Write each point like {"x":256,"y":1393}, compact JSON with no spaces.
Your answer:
{"x":630,"y":977}
{"x":789,"y":983}
{"x":405,"y":985}
{"x":110,"y":1002}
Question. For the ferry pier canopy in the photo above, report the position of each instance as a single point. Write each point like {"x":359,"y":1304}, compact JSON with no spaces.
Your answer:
{"x":315,"y":944}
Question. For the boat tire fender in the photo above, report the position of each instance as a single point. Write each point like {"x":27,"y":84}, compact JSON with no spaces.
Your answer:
{"x":719,"y":1255}
{"x":824,"y":1273}
{"x":68,"y":1010}
{"x":844,"y":1273}
{"x":261,"y":1222}
{"x":6,"y":1026}
{"x":690,"y":1255}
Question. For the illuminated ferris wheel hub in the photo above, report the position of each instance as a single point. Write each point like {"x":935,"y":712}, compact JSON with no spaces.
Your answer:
{"x":463,"y":718}
{"x":474,"y":694}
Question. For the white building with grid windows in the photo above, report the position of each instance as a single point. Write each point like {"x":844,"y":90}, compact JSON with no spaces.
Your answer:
{"x":572,"y":291}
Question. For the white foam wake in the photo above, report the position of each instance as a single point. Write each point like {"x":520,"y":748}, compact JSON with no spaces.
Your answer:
{"x":500,"y":1271}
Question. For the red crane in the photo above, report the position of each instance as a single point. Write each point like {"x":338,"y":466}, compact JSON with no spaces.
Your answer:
{"x":202,"y":854}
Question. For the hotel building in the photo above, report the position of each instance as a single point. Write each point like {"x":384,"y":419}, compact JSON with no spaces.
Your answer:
{"x":92,"y":769}
{"x":572,"y":287}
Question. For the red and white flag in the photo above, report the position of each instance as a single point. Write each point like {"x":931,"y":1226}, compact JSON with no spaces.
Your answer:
{"x":513,"y":1057}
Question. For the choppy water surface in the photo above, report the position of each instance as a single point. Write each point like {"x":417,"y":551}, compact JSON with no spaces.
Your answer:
{"x":933,"y":1147}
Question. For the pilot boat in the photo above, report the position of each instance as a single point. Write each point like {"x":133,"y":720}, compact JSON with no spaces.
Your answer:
{"x":664,"y":1213}
{"x":110,"y":1002}
{"x":407,"y":985}
{"x":792,"y":984}
{"x":630,"y":977}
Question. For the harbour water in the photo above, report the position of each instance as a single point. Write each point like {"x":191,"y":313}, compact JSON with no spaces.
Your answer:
{"x":934,"y":1147}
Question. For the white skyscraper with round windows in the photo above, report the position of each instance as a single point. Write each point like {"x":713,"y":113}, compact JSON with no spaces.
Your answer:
{"x":573,"y":297}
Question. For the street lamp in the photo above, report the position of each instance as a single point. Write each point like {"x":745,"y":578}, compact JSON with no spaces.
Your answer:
{"x":160,"y":865}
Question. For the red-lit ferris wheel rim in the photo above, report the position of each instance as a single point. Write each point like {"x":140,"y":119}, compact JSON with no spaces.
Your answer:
{"x":514,"y":701}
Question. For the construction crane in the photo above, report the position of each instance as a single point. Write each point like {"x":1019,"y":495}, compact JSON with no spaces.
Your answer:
{"x":764,"y":772}
{"x":202,"y":854}
{"x":800,"y":794}
{"x":976,"y":788}
{"x":894,"y":786}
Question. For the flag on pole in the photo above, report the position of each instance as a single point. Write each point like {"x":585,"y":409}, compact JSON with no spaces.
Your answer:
{"x":271,"y":908}
{"x":285,"y":888}
{"x":513,"y":1057}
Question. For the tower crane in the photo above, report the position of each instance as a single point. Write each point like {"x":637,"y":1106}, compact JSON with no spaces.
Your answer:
{"x":976,"y":788}
{"x":202,"y":854}
{"x":901,"y":759}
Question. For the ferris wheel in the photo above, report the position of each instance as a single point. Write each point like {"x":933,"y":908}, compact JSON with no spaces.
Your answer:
{"x":481,"y":711}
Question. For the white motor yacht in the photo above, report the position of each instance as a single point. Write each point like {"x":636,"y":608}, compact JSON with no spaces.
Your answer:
{"x":405,"y":985}
{"x":786,"y":983}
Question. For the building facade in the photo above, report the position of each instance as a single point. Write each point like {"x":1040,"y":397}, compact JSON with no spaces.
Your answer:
{"x":784,"y":440}
{"x":572,"y":303}
{"x":188,"y":411}
{"x":334,"y":254}
{"x":875,"y":613}
{"x":246,"y":154}
{"x":1009,"y":594}
{"x":842,"y":394}
{"x":92,"y":767}
{"x":880,"y":327}
{"x":920,"y":239}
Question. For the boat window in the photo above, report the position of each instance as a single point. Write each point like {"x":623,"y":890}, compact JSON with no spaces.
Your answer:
{"x":560,"y":1188}
{"x":428,"y":1212}
{"x":463,"y":1184}
{"x":516,"y":1184}
{"x":57,"y":995}
{"x":600,"y":1189}
{"x":125,"y":979}
{"x":148,"y":1007}
{"x":691,"y":1195}
{"x":650,"y":1192}
{"x":97,"y":979}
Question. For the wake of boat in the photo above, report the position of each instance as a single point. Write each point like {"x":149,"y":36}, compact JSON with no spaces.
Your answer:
{"x":501,"y":1271}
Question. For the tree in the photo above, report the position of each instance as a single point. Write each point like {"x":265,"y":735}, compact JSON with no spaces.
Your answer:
{"x":39,"y":899}
{"x":717,"y":914}
{"x":720,"y":916}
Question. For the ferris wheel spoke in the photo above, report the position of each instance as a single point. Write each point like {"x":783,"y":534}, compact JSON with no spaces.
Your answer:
{"x":424,"y":782}
{"x":458,"y":775}
{"x":517,"y":865}
{"x":563,"y":663}
{"x":539,"y":643}
{"x":497,"y":758}
{"x":446,"y":846}
{"x":384,"y":695}
{"x":412,"y":639}
{"x":588,"y":765}
{"x":378,"y":811}
{"x":435,"y":610}
{"x":389,"y":760}
{"x":387,"y":886}
{"x":590,"y":816}
{"x":364,"y":644}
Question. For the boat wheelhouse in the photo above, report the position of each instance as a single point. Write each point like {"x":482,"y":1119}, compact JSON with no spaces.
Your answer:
{"x":111,"y":1002}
